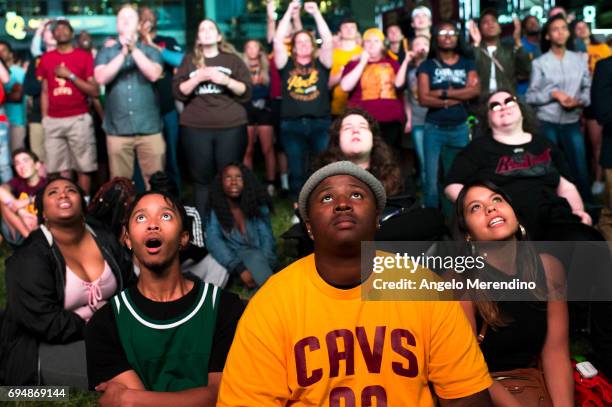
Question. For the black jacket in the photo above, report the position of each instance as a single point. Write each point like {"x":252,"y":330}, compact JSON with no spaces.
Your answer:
{"x":35,"y":279}
{"x":601,"y":93}
{"x":514,"y":62}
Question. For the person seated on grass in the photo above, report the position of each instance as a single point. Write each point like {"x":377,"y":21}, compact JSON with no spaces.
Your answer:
{"x":17,"y":197}
{"x":64,"y":271}
{"x":238,"y":230}
{"x":515,"y":334}
{"x":164,"y":340}
{"x":308,"y":338}
{"x":193,"y":257}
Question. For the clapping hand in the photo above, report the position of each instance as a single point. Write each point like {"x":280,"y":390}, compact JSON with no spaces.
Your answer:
{"x":218,"y":77}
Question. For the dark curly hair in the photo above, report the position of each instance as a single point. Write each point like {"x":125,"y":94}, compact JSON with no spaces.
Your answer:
{"x":530,"y":122}
{"x":253,"y":197}
{"x":382,"y":162}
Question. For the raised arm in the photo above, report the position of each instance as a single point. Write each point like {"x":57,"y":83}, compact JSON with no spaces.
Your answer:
{"x":271,"y":20}
{"x":325,"y":53}
{"x":296,"y":22}
{"x":334,"y":78}
{"x":36,"y":45}
{"x":284,"y":26}
{"x":400,"y":77}
{"x":349,"y":81}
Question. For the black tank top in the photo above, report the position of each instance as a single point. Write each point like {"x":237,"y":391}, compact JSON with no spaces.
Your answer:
{"x":519,"y":344}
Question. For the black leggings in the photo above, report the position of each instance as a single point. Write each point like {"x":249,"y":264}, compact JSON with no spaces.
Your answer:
{"x":207,"y":151}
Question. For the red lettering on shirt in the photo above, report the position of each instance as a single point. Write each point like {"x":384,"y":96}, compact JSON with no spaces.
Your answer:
{"x":524,"y":161}
{"x":397,"y":338}
{"x":373,"y":355}
{"x":340,"y":346}
{"x":299,"y":350}
{"x":335,"y":356}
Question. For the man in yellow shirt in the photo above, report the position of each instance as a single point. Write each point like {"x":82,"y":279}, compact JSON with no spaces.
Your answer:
{"x":347,"y":50}
{"x":307,"y":337}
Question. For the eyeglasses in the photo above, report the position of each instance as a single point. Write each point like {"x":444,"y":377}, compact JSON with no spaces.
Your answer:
{"x":508,"y":102}
{"x":450,"y":33}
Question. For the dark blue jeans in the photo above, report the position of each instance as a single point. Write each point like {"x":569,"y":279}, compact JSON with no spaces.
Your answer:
{"x":570,"y":140}
{"x":445,"y":142}
{"x":171,"y":136}
{"x":302,"y":138}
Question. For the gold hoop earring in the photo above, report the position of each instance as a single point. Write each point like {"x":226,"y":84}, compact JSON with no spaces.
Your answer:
{"x":470,"y":246}
{"x":523,"y":232}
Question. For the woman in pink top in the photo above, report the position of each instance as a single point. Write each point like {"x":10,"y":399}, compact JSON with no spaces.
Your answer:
{"x":63,"y":273}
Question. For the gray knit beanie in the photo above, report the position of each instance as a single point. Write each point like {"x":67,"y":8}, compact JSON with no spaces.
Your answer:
{"x":341,"y":168}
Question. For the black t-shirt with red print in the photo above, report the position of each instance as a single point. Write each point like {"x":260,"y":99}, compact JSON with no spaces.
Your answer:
{"x":529,"y":173}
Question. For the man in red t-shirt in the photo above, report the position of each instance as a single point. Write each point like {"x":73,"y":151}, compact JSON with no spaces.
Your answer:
{"x":67,"y":81}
